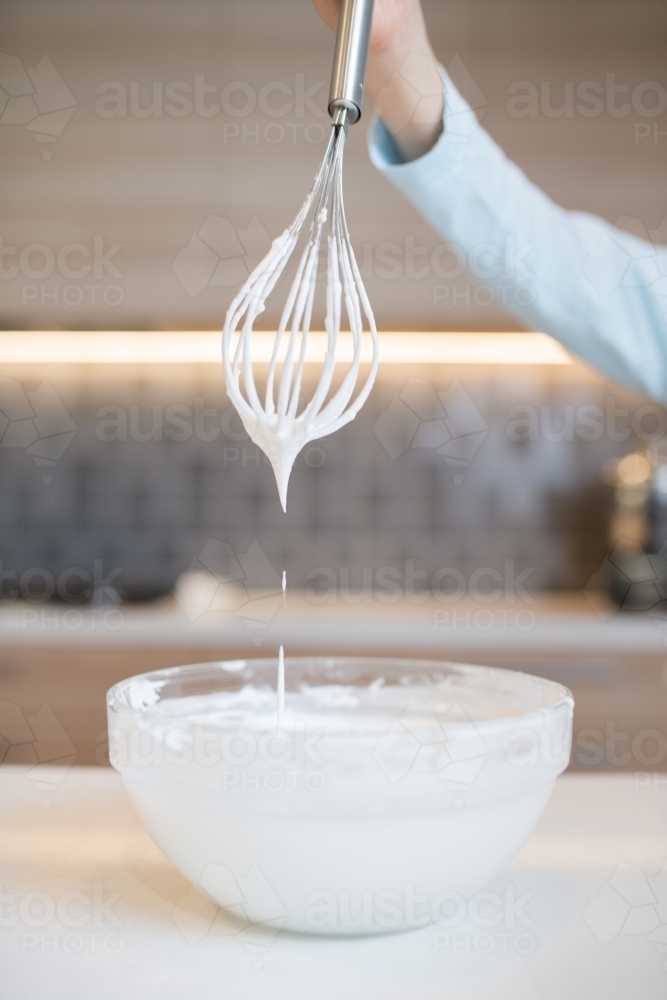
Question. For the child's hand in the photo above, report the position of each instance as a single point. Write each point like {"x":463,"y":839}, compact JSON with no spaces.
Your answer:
{"x":389,"y":19}
{"x":403,"y":79}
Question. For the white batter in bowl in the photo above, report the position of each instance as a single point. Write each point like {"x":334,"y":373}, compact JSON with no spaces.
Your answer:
{"x":391,"y":789}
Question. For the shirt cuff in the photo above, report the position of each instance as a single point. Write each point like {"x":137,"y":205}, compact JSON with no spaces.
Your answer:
{"x":458,"y":126}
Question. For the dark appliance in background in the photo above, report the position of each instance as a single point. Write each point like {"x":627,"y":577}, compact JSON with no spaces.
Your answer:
{"x":636,"y":569}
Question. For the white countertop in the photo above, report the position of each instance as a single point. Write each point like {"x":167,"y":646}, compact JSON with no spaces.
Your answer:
{"x":554,"y":623}
{"x":590,"y":922}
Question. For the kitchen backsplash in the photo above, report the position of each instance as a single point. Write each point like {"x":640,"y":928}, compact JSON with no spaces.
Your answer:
{"x":188,"y":135}
{"x":443,"y":482}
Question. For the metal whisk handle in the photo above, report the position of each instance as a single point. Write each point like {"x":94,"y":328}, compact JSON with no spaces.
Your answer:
{"x":349,"y":68}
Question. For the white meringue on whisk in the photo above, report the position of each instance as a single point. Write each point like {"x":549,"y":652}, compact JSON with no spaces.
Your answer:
{"x":285,"y":422}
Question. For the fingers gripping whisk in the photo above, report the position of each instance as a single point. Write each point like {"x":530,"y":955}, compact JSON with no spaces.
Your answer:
{"x":285,"y":420}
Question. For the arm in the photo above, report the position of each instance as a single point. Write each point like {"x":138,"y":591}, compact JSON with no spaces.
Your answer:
{"x":403,"y":78}
{"x":598,"y":290}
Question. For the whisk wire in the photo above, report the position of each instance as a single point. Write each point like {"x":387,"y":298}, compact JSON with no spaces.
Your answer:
{"x":305,"y":281}
{"x":320,"y":181}
{"x":278,"y":427}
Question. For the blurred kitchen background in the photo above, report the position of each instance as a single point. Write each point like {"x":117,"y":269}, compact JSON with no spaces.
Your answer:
{"x":501,"y":512}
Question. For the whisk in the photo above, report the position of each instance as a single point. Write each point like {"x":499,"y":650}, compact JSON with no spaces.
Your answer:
{"x":284,"y":423}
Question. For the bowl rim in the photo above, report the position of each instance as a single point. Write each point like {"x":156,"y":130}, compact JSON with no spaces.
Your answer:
{"x":564,"y":699}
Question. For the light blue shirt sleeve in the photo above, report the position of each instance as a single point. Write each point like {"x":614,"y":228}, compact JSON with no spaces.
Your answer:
{"x":600,"y":291}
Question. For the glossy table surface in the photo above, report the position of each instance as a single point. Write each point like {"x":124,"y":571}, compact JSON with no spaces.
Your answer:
{"x":91,"y":908}
{"x":415,"y":624}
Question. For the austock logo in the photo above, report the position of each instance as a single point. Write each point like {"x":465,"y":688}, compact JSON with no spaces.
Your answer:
{"x":37,"y":98}
{"x":35,"y":421}
{"x":39,"y":742}
{"x":69,"y":923}
{"x":631,"y":580}
{"x":630,"y":903}
{"x":418,"y":743}
{"x":445,"y":421}
{"x":219,"y":580}
{"x":465,"y":82}
{"x":593,"y":98}
{"x":607,"y":265}
{"x":245,"y":907}
{"x":219,"y":256}
{"x":73,"y":274}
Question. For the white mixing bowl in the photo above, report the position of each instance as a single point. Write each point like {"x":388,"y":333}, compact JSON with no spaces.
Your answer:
{"x":393,"y":789}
